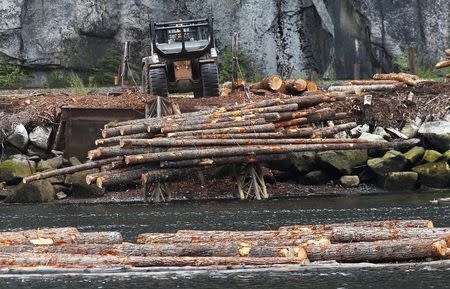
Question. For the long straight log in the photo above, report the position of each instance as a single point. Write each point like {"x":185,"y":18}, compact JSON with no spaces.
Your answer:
{"x":114,"y":151}
{"x":291,"y":133}
{"x":189,"y":236}
{"x":391,"y":224}
{"x":228,"y":130}
{"x":320,"y":115}
{"x":169,"y":142}
{"x":379,"y":251}
{"x":98,"y":261}
{"x":355,"y":88}
{"x":280,"y":149}
{"x":253,"y":122}
{"x":407,"y":79}
{"x":222,"y":249}
{"x":120,"y":177}
{"x":331,"y":131}
{"x":116,"y":140}
{"x":71,"y":170}
{"x":357,"y":234}
{"x":272,"y":83}
{"x":251,"y":105}
{"x":308,"y":101}
{"x":374,"y":82}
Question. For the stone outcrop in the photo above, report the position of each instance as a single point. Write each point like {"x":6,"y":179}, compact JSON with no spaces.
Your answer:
{"x":327,"y":36}
{"x":437,"y":133}
{"x":36,"y":192}
{"x":434,"y":175}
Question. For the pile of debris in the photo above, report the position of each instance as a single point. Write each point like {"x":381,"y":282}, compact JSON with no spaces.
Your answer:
{"x":445,"y":63}
{"x":376,"y":242}
{"x":168,"y":148}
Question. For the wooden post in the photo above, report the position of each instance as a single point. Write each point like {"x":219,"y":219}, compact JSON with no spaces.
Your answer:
{"x":313,"y":76}
{"x":125,"y":61}
{"x":357,"y":71}
{"x":412,"y":60}
{"x":235,"y":64}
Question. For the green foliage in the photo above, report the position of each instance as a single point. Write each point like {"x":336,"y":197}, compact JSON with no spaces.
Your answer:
{"x":107,"y":66}
{"x":402,"y":62}
{"x":77,"y":85}
{"x":57,"y":79}
{"x":246,"y":70}
{"x":425,"y":72}
{"x":11,"y":75}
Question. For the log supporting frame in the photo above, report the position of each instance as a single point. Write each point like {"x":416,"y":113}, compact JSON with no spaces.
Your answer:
{"x":250,"y":182}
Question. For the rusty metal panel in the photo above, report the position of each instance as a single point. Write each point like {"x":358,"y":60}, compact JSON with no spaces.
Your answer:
{"x":183,"y":70}
{"x":83,"y":126}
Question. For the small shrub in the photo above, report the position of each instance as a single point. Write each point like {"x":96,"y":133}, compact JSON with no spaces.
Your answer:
{"x":57,"y":79}
{"x":77,"y":85}
{"x":246,"y":70}
{"x":401,"y":62}
{"x":107,"y":67}
{"x":11,"y":75}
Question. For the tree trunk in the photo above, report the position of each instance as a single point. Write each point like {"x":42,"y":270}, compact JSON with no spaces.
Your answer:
{"x":358,"y":234}
{"x":252,"y":122}
{"x":272,"y":83}
{"x":116,"y":140}
{"x":115,"y":151}
{"x":380,"y":251}
{"x":228,"y":130}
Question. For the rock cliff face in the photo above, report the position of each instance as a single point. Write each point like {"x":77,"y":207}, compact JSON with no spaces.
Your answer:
{"x":285,"y":36}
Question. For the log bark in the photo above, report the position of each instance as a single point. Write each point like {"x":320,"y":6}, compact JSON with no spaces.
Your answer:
{"x":318,"y":116}
{"x":255,"y":150}
{"x":380,"y":251}
{"x":357,"y":234}
{"x":272,"y":83}
{"x":391,"y":224}
{"x":253,"y":122}
{"x":71,"y":170}
{"x":228,"y":130}
{"x":443,"y":64}
{"x":331,"y":131}
{"x":407,"y":79}
{"x":115,"y":151}
{"x":116,"y":140}
{"x":374,"y":82}
{"x":222,"y":161}
{"x":98,"y":261}
{"x":356,"y":88}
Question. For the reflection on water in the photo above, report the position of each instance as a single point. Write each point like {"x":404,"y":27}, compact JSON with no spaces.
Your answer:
{"x":134,"y":219}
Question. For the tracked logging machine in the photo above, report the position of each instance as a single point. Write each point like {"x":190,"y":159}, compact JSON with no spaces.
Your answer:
{"x":183,"y":59}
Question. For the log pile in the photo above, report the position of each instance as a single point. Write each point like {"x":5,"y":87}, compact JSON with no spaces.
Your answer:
{"x":376,"y":242}
{"x":171,"y":147}
{"x":445,"y":63}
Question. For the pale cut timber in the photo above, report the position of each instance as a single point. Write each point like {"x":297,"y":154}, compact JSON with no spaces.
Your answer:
{"x":374,"y":82}
{"x":405,"y":78}
{"x":222,"y":249}
{"x":297,"y":85}
{"x":447,"y":52}
{"x":97,"y":261}
{"x":443,"y":64}
{"x":358,"y":234}
{"x":312,"y":87}
{"x":379,"y":251}
{"x":272,"y":83}
{"x":391,"y":224}
{"x":362,"y":88}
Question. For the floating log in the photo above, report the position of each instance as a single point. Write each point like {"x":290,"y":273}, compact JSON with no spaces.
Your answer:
{"x":58,"y":236}
{"x":405,"y":78}
{"x":272,"y":83}
{"x":380,"y":251}
{"x":391,"y":224}
{"x":443,"y":64}
{"x":296,"y":86}
{"x":71,"y":170}
{"x":223,"y":152}
{"x":189,"y":236}
{"x":98,"y":261}
{"x":365,"y":234}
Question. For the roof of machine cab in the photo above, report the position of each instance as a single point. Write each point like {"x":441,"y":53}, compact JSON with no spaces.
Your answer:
{"x":183,"y":39}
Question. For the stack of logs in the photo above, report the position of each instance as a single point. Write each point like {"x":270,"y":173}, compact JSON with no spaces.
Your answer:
{"x":445,"y":63}
{"x":159,"y":150}
{"x":376,"y":242}
{"x":380,"y":82}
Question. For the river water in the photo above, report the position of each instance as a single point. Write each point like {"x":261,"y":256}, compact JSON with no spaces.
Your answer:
{"x":134,"y":219}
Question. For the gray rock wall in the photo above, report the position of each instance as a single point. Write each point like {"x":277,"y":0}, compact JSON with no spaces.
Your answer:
{"x":285,"y":36}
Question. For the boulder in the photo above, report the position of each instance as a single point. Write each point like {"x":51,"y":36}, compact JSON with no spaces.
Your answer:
{"x":371,"y":137}
{"x":315,"y":178}
{"x":349,"y":181}
{"x":434,"y":175}
{"x":432,"y":156}
{"x":4,"y":191}
{"x":446,"y":155}
{"x":74,"y":161}
{"x":410,"y":130}
{"x":50,"y":164}
{"x":34,"y":192}
{"x":34,"y":151}
{"x":343,"y":162}
{"x":303,"y":162}
{"x":18,"y":137}
{"x":382,"y":132}
{"x":40,"y":137}
{"x":392,"y":161}
{"x":357,"y":131}
{"x":396,"y":133}
{"x":13,"y":170}
{"x":414,"y":155}
{"x":437,"y":133}
{"x":400,"y":181}
{"x":80,"y":189}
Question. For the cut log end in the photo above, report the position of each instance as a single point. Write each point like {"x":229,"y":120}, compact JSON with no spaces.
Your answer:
{"x":312,"y":86}
{"x":440,"y":248}
{"x":275,"y":83}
